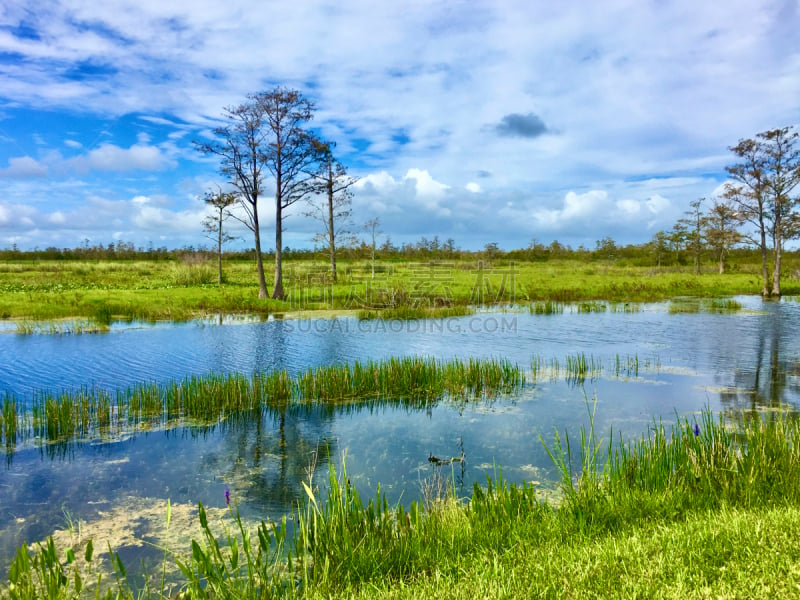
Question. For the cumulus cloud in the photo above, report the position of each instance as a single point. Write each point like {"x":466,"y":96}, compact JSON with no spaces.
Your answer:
{"x":109,"y":157}
{"x":425,"y":184}
{"x":460,"y":86}
{"x":151,"y":218}
{"x":518,"y":125}
{"x":22,"y":167}
{"x":596,"y":211}
{"x":657,"y":204}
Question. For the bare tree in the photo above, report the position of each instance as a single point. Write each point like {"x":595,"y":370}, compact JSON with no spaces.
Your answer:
{"x":750,"y":197}
{"x":768,"y":172}
{"x":373,"y":228}
{"x":691,"y":228}
{"x":720,"y":229}
{"x":213,"y":224}
{"x":241,"y":149}
{"x":331,"y":181}
{"x":782,"y":168}
{"x":289,"y":155}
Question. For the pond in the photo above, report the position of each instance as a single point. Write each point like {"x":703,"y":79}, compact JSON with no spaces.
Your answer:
{"x":651,"y":362}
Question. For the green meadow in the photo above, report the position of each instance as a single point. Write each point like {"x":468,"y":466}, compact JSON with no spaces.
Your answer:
{"x":704,"y":507}
{"x":41,"y":291}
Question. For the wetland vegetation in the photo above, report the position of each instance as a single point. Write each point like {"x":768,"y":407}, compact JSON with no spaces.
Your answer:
{"x":62,"y":291}
{"x":716,"y":499}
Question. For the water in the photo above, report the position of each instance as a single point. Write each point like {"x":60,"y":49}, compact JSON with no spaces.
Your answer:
{"x":687,"y":362}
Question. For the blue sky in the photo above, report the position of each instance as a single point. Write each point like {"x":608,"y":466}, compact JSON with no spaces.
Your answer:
{"x":498,"y":121}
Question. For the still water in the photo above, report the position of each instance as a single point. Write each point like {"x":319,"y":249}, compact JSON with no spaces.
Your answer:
{"x":654,"y":364}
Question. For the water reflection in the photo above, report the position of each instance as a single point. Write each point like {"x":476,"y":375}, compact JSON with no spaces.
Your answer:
{"x":732,"y":362}
{"x":769,"y":379}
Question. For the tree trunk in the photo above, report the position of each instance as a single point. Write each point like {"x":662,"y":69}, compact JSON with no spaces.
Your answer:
{"x":776,"y":273}
{"x":331,"y":232}
{"x":764,"y":266}
{"x":722,"y":262}
{"x":277,"y":288}
{"x":262,"y":282}
{"x":219,"y":251}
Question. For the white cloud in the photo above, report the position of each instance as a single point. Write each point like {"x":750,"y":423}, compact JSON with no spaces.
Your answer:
{"x":630,"y":208}
{"x":376,"y":182}
{"x":150,"y":218}
{"x":23,"y":167}
{"x":423,"y":84}
{"x":109,"y":157}
{"x":658,"y":204}
{"x":425,"y":184}
{"x":58,"y":218}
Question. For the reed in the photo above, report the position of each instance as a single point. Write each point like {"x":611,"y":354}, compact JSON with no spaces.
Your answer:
{"x":591,"y":307}
{"x":724,"y":305}
{"x":547,"y":307}
{"x":579,"y":367}
{"x":93,"y":412}
{"x":67,"y":327}
{"x":8,"y":423}
{"x":408,"y":312}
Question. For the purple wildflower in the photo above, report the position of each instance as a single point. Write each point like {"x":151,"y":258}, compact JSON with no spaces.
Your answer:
{"x":227,"y":496}
{"x":696,"y":430}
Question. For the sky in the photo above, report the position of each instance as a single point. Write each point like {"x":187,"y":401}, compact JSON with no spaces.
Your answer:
{"x":498,"y":121}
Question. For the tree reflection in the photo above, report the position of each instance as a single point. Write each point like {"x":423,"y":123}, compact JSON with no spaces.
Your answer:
{"x":268,"y":455}
{"x":771,"y":381}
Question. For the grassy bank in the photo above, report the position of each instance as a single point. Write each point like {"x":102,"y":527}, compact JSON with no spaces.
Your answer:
{"x":103,"y":291}
{"x":706,"y":509}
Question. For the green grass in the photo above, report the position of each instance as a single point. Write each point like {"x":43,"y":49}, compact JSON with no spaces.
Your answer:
{"x":105,"y":291}
{"x":706,"y":509}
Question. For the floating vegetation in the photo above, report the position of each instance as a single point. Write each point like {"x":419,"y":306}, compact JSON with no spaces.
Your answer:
{"x":705,"y":305}
{"x":591,"y":307}
{"x":546,"y":308}
{"x":407,"y":313}
{"x":63,"y":327}
{"x":725,"y":305}
{"x":625,"y":307}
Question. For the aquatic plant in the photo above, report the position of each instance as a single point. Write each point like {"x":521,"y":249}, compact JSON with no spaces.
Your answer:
{"x":579,"y":367}
{"x":94,"y":412}
{"x":547,"y":307}
{"x":724,"y":305}
{"x":591,"y":307}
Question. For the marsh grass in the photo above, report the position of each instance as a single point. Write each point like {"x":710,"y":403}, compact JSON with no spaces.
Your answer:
{"x":577,"y":368}
{"x":704,"y":305}
{"x":591,"y":307}
{"x":546,"y":308}
{"x":44,"y":291}
{"x":405,"y":313}
{"x":65,"y":327}
{"x":93,"y":413}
